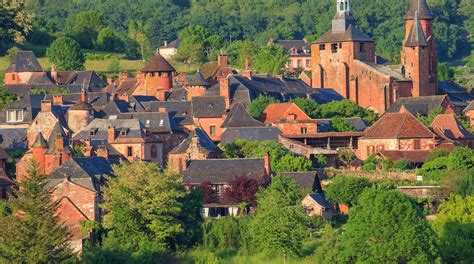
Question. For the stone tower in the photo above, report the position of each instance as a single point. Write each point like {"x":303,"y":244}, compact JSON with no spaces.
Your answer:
{"x":158,"y":77}
{"x":80,"y":114}
{"x":196,"y":85}
{"x":419,"y":57}
{"x":343,"y":17}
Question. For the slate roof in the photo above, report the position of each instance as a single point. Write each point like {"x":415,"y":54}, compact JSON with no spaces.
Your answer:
{"x":457,"y":95}
{"x":30,"y":104}
{"x":301,"y":46}
{"x":398,"y":125}
{"x":88,"y":79}
{"x":89,"y":172}
{"x":13,"y":139}
{"x":221,"y":171}
{"x":208,"y":106}
{"x":208,"y":69}
{"x":447,"y":126}
{"x":181,"y":112}
{"x":39,"y":141}
{"x":321,"y":200}
{"x":410,"y":155}
{"x":173,"y":44}
{"x":239,"y":117}
{"x":158,"y":64}
{"x":351,"y":34}
{"x":3,"y":154}
{"x":25,"y":89}
{"x":196,"y":80}
{"x":127,"y":87}
{"x":204,"y":143}
{"x":96,"y":99}
{"x":262,"y":133}
{"x":416,"y":37}
{"x":178,"y":95}
{"x":24,"y":61}
{"x":116,"y":107}
{"x":306,"y":180}
{"x":99,"y":127}
{"x":419,"y":6}
{"x":154,"y":122}
{"x":387,"y":70}
{"x":422,"y":105}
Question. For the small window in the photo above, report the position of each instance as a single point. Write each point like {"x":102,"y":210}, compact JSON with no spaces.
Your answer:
{"x":334,"y":48}
{"x":300,"y":64}
{"x":304,"y":130}
{"x":322,"y":46}
{"x":13,"y":77}
{"x":361,"y":47}
{"x":289,"y":63}
{"x":416,"y":144}
{"x":212,"y":130}
{"x":123,"y":132}
{"x":91,"y":132}
{"x":370,"y":150}
{"x":340,"y":45}
{"x":14,"y":115}
{"x":380,"y":147}
{"x":154,"y":151}
{"x":308,"y":63}
{"x":129,"y":151}
{"x":292,"y":146}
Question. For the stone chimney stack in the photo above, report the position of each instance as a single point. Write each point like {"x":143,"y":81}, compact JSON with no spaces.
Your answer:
{"x":111,"y":134}
{"x":162,"y":109}
{"x":266,"y":163}
{"x":57,"y":99}
{"x":83,"y":96}
{"x":224,"y":91}
{"x":54,"y":73}
{"x":46,"y":106}
{"x":222,"y":60}
{"x":103,"y":152}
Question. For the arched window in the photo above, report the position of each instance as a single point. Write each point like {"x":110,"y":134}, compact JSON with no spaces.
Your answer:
{"x":154,"y":151}
{"x":342,"y":7}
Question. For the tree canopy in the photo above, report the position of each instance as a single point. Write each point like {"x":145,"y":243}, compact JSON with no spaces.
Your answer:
{"x":346,"y":190}
{"x":66,"y":54}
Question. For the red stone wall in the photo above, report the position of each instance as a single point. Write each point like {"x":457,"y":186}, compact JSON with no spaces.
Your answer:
{"x":295,"y":128}
{"x":425,"y":144}
{"x":206,"y":123}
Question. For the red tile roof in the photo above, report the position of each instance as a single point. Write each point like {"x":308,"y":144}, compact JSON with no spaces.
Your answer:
{"x":158,"y":64}
{"x":275,"y":112}
{"x":411,"y":155}
{"x":447,"y":126}
{"x":398,"y":125}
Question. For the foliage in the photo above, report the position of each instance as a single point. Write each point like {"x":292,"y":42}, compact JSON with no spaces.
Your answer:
{"x":370,"y":164}
{"x":346,"y":190}
{"x":460,"y":159}
{"x":454,"y":225}
{"x":107,"y":40}
{"x":436,"y":153}
{"x":144,"y":208}
{"x":241,"y":190}
{"x":209,"y":195}
{"x":321,"y":160}
{"x":6,"y":97}
{"x":309,"y":106}
{"x":11,"y":53}
{"x":386,"y":226}
{"x":402,"y":164}
{"x":66,"y":54}
{"x":445,"y":73}
{"x":278,"y":227}
{"x":346,"y":108}
{"x":191,"y":219}
{"x":224,"y":233}
{"x":387,"y":164}
{"x":61,"y":90}
{"x":15,"y":24}
{"x":427,"y":120}
{"x":270,"y":59}
{"x":340,"y":124}
{"x":136,"y":32}
{"x":258,"y":105}
{"x":197,"y":45}
{"x":30,"y":230}
{"x":346,"y":156}
{"x":84,"y":27}
{"x":114,"y":66}
{"x":240,"y":50}
{"x":329,"y":250}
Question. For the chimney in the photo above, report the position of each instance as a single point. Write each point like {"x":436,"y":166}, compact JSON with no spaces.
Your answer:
{"x":246,"y":63}
{"x":54,"y":73}
{"x":59,"y":143}
{"x":162,"y":110}
{"x":224,"y":91}
{"x":124,"y":97}
{"x":103,"y":152}
{"x":165,"y":44}
{"x":111,"y":134}
{"x":57,"y":99}
{"x":266,"y":164}
{"x":247,"y":74}
{"x":83,"y":96}
{"x":222,"y":60}
{"x":46,"y":106}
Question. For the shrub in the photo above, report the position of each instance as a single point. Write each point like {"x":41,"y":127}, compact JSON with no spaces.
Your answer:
{"x":402,"y":164}
{"x":369,"y":167}
{"x":346,"y":190}
{"x":224,"y":233}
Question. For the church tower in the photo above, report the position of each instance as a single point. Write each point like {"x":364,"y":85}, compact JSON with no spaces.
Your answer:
{"x":419,"y":57}
{"x":343,"y":17}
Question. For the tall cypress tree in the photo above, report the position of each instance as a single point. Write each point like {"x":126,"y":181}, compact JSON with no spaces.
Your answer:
{"x":30,"y":230}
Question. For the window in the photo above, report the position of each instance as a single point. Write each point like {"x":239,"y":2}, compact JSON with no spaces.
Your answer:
{"x":380,"y":147}
{"x":322,"y":46}
{"x":340,"y":45}
{"x":212,"y":130}
{"x":13,"y":77}
{"x":129,"y":151}
{"x":154,"y":151}
{"x":308,"y":63}
{"x":416,"y":144}
{"x":123,"y":132}
{"x":289,"y":63}
{"x":334,"y":48}
{"x":304,"y":130}
{"x":361,"y":47}
{"x":370,"y":150}
{"x":14,"y":115}
{"x":300,"y":64}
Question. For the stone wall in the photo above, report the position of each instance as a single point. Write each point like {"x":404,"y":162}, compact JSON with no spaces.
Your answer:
{"x":377,"y":175}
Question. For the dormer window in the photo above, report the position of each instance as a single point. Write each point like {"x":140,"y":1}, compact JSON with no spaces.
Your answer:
{"x":15,"y":115}
{"x":123,"y":132}
{"x":91,"y":132}
{"x":147,"y":124}
{"x":161,"y":122}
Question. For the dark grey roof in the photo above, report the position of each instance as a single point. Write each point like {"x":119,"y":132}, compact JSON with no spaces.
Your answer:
{"x":221,"y":171}
{"x":416,"y":37}
{"x":181,"y":112}
{"x":204,"y":143}
{"x":13,"y":139}
{"x":196,"y":80}
{"x":351,"y":34}
{"x":24,"y":61}
{"x":154,"y":122}
{"x":307,"y":180}
{"x":173,"y":44}
{"x":98,"y":129}
{"x":30,"y":104}
{"x":96,"y":99}
{"x":180,"y":94}
{"x":419,"y":6}
{"x":88,"y":79}
{"x":117,"y":107}
{"x":250,"y":133}
{"x":300,"y":45}
{"x":208,"y":106}
{"x":321,"y":200}
{"x":457,"y":95}
{"x":422,"y":105}
{"x":39,"y":141}
{"x":239,"y":117}
{"x":324,"y":124}
{"x":87,"y":172}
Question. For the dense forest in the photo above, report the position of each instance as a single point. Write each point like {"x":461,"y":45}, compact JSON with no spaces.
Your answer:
{"x":131,"y":26}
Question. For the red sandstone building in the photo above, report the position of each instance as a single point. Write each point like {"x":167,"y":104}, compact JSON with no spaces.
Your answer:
{"x":344,"y":59}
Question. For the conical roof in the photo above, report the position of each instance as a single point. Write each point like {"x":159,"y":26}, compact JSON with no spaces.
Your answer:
{"x":416,"y":37}
{"x":40,"y":141}
{"x":423,"y":10}
{"x":239,"y":117}
{"x":158,"y":64}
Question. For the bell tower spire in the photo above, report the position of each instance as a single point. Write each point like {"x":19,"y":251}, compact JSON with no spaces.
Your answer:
{"x":343,"y":18}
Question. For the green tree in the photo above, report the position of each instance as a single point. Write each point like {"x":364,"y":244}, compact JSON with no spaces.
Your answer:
{"x":30,"y":230}
{"x":144,"y":210}
{"x":107,"y":40}
{"x":445,"y":73}
{"x":270,"y":59}
{"x":329,"y":250}
{"x":427,"y":120}
{"x":436,"y":153}
{"x":346,"y":156}
{"x":6,"y":97}
{"x":240,"y":50}
{"x":15,"y":24}
{"x":84,"y":27}
{"x":309,"y":106}
{"x":387,"y":164}
{"x":454,"y":225}
{"x":346,"y":190}
{"x":402,"y":164}
{"x":258,"y":105}
{"x":346,"y":108}
{"x":66,"y":54}
{"x":279,"y":225}
{"x":136,"y":32}
{"x":321,"y":160}
{"x":385,"y":226}
{"x":340,"y":124}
